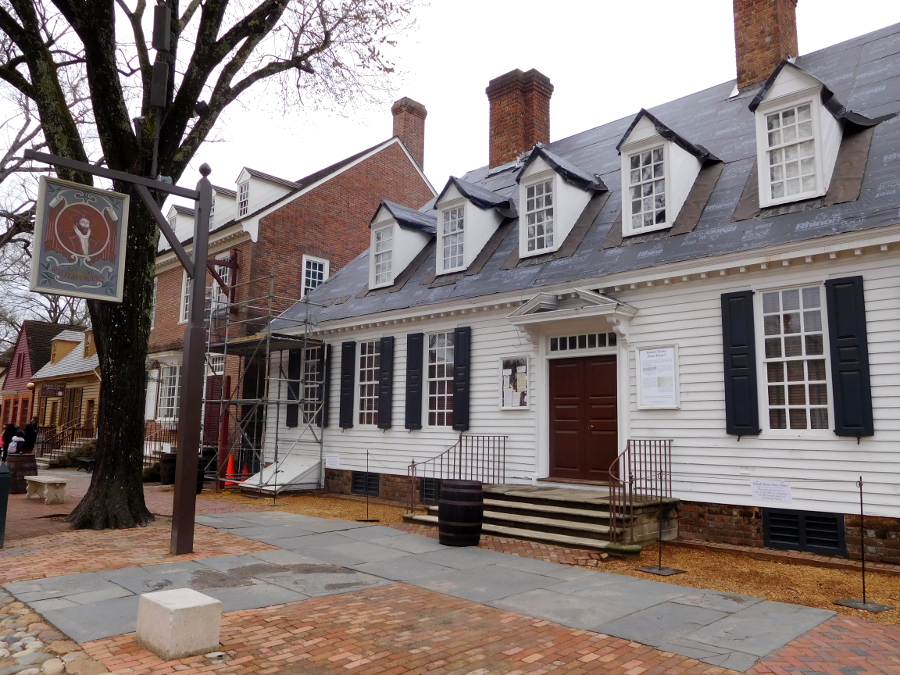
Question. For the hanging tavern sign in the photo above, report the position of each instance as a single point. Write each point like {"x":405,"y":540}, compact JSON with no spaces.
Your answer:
{"x":79,"y":241}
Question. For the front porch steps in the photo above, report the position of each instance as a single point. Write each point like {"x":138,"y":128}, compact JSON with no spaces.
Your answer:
{"x":573,"y":518}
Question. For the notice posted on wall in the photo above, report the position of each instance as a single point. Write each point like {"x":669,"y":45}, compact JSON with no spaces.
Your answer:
{"x":771,"y":491}
{"x":332,"y":461}
{"x":658,"y":381}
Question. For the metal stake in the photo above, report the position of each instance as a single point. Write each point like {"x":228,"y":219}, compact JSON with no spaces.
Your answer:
{"x":659,"y":569}
{"x":4,"y":500}
{"x":856,"y":603}
{"x":367,"y":519}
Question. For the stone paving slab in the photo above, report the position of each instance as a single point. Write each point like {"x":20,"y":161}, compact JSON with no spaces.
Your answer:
{"x":567,"y":610}
{"x":57,"y":587}
{"x":410,"y":543}
{"x":661,"y":623}
{"x":402,"y":569}
{"x":483,"y":583}
{"x":98,"y":620}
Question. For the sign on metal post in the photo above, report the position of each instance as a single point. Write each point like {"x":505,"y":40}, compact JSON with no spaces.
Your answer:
{"x":79,"y":241}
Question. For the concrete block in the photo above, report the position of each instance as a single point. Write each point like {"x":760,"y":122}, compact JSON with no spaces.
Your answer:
{"x":178,"y":623}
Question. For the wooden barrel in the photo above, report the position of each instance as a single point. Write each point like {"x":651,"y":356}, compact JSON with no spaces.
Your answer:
{"x":167,"y":468}
{"x":460,"y":511}
{"x":20,"y":466}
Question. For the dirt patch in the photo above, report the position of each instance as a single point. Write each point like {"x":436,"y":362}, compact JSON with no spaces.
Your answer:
{"x":243,"y":576}
{"x":321,"y":506}
{"x":736,"y":573}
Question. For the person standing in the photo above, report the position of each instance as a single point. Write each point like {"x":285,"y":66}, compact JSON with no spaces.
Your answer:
{"x":8,"y":434}
{"x":30,"y":435}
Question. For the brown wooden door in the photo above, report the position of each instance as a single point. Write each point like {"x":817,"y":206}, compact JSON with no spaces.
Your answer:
{"x":583,"y":417}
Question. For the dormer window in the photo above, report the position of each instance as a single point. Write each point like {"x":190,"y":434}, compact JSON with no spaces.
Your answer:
{"x":539,"y":215}
{"x":384,"y":255}
{"x":659,"y":168}
{"x":648,"y":188}
{"x":243,"y":199}
{"x":791,"y":154}
{"x":453,"y":238}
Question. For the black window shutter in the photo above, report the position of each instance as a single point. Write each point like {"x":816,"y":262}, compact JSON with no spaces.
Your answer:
{"x":462,"y":341}
{"x":295,"y":357}
{"x":348,"y":378}
{"x":415,"y":361}
{"x":849,"y":357}
{"x":386,"y":383}
{"x":325,"y":385}
{"x":739,"y":345}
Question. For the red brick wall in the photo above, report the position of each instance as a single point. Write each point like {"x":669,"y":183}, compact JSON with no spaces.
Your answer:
{"x":391,"y":487}
{"x":765,"y":32}
{"x":332,"y":221}
{"x":520,"y":114}
{"x":743,"y":526}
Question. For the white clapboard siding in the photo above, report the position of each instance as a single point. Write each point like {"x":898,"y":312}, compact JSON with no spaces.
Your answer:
{"x":708,"y":464}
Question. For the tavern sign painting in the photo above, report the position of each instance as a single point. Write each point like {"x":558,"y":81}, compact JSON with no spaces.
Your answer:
{"x":79,"y":235}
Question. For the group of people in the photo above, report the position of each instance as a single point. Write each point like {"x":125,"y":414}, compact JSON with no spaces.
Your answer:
{"x":16,"y":441}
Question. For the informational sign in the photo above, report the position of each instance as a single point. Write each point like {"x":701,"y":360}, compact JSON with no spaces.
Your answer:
{"x":658,"y":379}
{"x":771,"y":491}
{"x":80,"y":234}
{"x":514,"y":383}
{"x":167,"y":447}
{"x":53,"y":389}
{"x":332,"y":461}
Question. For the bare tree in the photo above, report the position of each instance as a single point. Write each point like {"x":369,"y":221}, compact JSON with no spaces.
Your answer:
{"x":307,"y":52}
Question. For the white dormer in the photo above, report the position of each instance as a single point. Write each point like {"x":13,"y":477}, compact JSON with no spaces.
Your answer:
{"x":658,"y":170}
{"x":256,"y":190}
{"x":223,"y":206}
{"x":552,"y":194}
{"x":398,"y":235}
{"x":467,"y":216}
{"x":181,"y":220}
{"x":797,"y":138}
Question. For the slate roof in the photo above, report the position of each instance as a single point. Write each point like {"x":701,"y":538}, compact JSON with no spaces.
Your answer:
{"x":40,"y":336}
{"x":862,"y":73}
{"x":72,"y":363}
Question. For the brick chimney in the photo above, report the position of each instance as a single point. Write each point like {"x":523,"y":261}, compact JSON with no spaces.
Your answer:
{"x":520,"y":113}
{"x":409,"y":126}
{"x":765,"y":32}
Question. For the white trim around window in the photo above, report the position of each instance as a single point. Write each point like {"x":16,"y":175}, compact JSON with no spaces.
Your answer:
{"x":243,"y":199}
{"x":439,"y":360}
{"x":169,"y":395}
{"x":646,"y":186}
{"x":794,"y":375}
{"x":153,"y":303}
{"x":789,"y":149}
{"x":184,"y":306}
{"x":368,"y":376}
{"x":383,"y":256}
{"x":452,"y":236}
{"x":538,"y":222}
{"x":315,"y":272}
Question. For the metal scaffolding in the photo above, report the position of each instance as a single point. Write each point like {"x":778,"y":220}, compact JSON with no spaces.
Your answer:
{"x":278,"y":380}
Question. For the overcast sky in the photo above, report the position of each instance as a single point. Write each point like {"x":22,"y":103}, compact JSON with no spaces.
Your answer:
{"x":606,"y":59}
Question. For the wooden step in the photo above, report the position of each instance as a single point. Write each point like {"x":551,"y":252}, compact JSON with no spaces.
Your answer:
{"x":567,"y":541}
{"x":547,"y":525}
{"x":558,"y":511}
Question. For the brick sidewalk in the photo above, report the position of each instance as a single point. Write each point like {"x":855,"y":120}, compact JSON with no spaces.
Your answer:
{"x":400,"y":629}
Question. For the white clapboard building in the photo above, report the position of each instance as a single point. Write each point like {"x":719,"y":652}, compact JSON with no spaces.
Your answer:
{"x":721,"y":271}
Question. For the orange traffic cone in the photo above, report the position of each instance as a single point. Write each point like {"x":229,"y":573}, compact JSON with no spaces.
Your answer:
{"x":229,"y":471}
{"x":246,"y":475}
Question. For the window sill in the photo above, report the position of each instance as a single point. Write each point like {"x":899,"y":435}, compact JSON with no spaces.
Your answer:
{"x":645,"y":230}
{"x":814,"y":194}
{"x":797,"y":434}
{"x":532,"y":254}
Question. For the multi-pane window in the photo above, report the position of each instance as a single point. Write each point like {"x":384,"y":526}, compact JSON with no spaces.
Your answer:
{"x":452,"y":237}
{"x":243,"y":198}
{"x":212,"y":209}
{"x":796,"y":380}
{"x":539,"y":215}
{"x":217,"y":364}
{"x":384,"y":249}
{"x":169,"y":391}
{"x":648,"y":188}
{"x":173,"y":222}
{"x":186,"y":286}
{"x":153,"y":303}
{"x":313,"y":273}
{"x":792,"y":152}
{"x":312,"y":378}
{"x":369,"y":372}
{"x":440,"y":379}
{"x":218,"y":297}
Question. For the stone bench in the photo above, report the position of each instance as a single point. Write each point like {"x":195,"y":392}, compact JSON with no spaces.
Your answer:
{"x":46,"y":487}
{"x":86,"y":463}
{"x":178,"y":623}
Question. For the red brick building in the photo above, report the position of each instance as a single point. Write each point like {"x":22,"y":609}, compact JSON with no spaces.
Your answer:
{"x":31,"y":352}
{"x":281,"y":237}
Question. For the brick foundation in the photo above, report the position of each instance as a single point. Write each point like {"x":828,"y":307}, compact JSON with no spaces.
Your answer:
{"x":743,"y":526}
{"x":390,"y":487}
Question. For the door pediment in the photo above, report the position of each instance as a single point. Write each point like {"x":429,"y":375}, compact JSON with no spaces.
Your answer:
{"x":553,"y":311}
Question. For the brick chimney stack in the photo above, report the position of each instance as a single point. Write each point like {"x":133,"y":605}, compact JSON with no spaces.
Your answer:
{"x":409,"y":126}
{"x":765,"y":32}
{"x":520,"y":114}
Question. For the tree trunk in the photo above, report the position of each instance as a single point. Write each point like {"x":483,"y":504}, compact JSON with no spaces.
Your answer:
{"x":122,"y":334}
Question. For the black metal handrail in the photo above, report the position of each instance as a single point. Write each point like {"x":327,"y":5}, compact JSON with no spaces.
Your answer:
{"x":641,"y":474}
{"x":472,"y":457}
{"x":70,"y":432}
